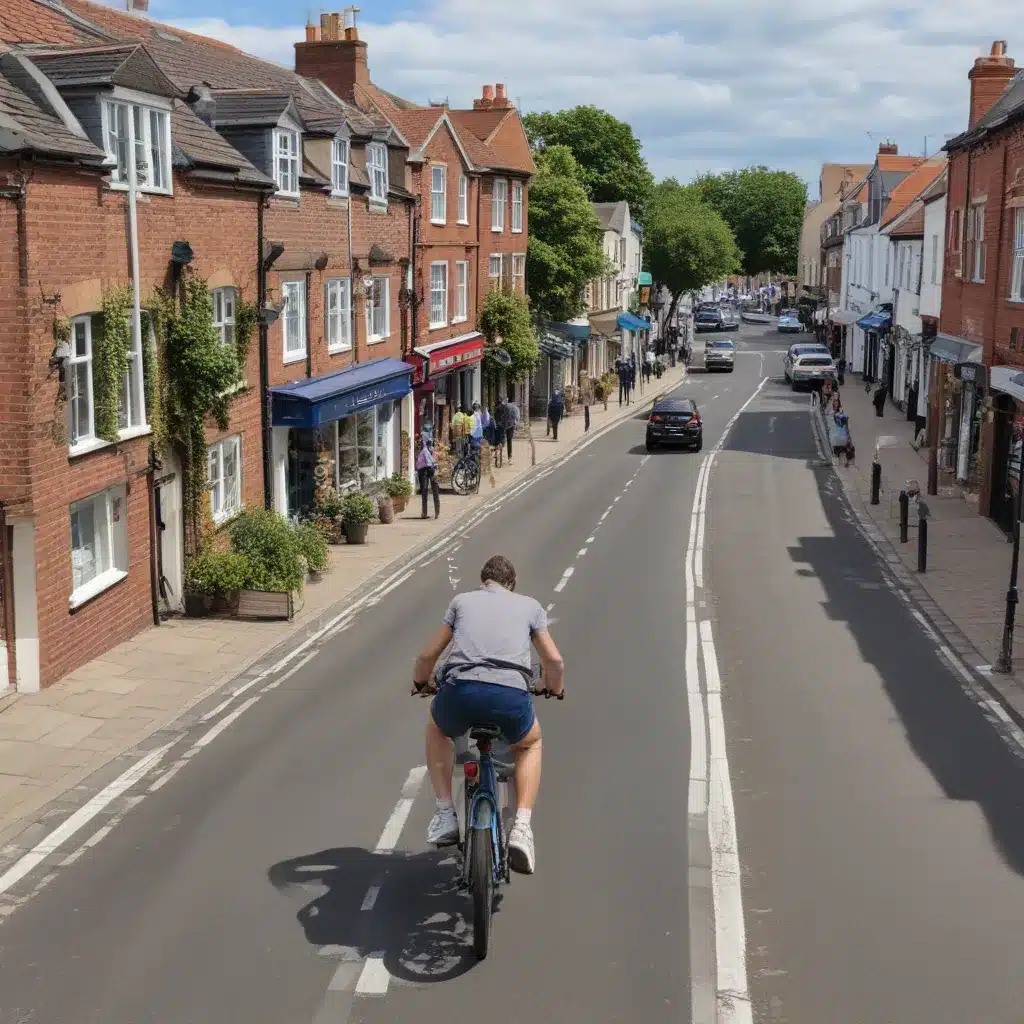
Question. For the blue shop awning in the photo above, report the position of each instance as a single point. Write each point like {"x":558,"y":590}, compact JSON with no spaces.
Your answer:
{"x":878,"y":320}
{"x":557,"y":346}
{"x":309,"y":403}
{"x":632,"y":322}
{"x":951,"y":349}
{"x":577,"y":330}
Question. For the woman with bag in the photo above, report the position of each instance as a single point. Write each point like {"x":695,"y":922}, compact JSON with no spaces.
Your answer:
{"x":426,"y":471}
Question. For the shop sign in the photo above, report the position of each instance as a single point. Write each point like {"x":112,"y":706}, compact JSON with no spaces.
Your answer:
{"x":970,"y":373}
{"x":645,"y":295}
{"x":470,"y":355}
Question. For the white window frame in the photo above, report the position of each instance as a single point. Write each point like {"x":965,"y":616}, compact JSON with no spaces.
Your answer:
{"x":380,"y":450}
{"x":87,"y":439}
{"x":498,"y":208}
{"x":517,"y":207}
{"x":132,"y":412}
{"x":110,"y":542}
{"x":518,"y":264}
{"x":491,"y":265}
{"x":438,"y":194}
{"x":147,"y":145}
{"x":225,"y":305}
{"x":1017,"y":272}
{"x":461,"y":291}
{"x":286,"y":149}
{"x":293,"y":292}
{"x":372,"y":336}
{"x":339,"y":167}
{"x":338,"y":314}
{"x":438,"y":305}
{"x":978,"y":243}
{"x":463,"y":199}
{"x":377,"y":171}
{"x":225,"y":495}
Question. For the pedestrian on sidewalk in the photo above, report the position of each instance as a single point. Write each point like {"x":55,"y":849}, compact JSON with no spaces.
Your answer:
{"x":841,"y":371}
{"x":556,"y":409}
{"x":511,"y":423}
{"x":426,"y":471}
{"x":622,"y":370}
{"x":878,"y":400}
{"x":476,"y":429}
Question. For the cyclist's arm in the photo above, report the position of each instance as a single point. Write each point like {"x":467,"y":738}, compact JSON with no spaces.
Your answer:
{"x":550,"y":660}
{"x":424,"y":664}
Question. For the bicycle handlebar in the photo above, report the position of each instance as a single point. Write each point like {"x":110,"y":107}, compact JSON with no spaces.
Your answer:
{"x":430,"y":688}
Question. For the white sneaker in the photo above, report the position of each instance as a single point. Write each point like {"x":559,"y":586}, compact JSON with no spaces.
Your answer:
{"x":521,"y":855}
{"x":443,"y":829}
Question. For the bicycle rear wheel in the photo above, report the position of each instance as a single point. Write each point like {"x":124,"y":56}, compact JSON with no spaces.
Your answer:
{"x":459,"y":479}
{"x":481,"y":880}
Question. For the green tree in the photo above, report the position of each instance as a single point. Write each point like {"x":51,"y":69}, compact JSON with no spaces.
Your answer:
{"x":506,"y":315}
{"x":765,"y":209}
{"x":606,"y":149}
{"x":687,"y":243}
{"x":565,"y":248}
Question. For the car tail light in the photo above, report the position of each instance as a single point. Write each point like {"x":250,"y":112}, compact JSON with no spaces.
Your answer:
{"x":472,"y":769}
{"x":655,"y":418}
{"x":695,"y":419}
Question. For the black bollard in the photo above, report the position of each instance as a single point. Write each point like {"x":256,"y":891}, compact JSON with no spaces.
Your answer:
{"x":904,"y":516}
{"x":876,"y":481}
{"x":922,"y":545}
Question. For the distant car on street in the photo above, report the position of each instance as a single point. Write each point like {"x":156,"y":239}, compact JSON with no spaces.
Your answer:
{"x":719,"y":355}
{"x":709,"y":320}
{"x":812,"y":370}
{"x":789,"y":324}
{"x":675,"y":421}
{"x":802,"y":348}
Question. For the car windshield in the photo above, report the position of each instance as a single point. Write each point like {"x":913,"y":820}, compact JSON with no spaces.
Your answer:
{"x":815,"y":361}
{"x":680,"y":405}
{"x":722,"y":344}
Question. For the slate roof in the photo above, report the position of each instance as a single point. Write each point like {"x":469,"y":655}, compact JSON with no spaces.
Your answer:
{"x":199,"y":148}
{"x":130,"y":66}
{"x":255,"y":107}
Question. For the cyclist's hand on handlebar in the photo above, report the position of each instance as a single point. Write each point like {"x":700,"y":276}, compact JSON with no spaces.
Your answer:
{"x":547,"y":694}
{"x":427,"y":689}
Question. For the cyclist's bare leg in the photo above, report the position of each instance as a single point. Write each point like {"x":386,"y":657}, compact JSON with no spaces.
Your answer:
{"x":528,"y":758}
{"x":440,"y":760}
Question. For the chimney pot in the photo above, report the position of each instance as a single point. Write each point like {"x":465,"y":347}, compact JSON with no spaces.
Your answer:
{"x":488,"y":92}
{"x":888,"y":148}
{"x":312,"y":33}
{"x":999,"y":48}
{"x":499,"y":91}
{"x":989,"y":78}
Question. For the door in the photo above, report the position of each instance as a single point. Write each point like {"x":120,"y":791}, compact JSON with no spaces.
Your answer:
{"x":8,"y":672}
{"x":1006,"y":452}
{"x":170,"y":534}
{"x":963,"y":450}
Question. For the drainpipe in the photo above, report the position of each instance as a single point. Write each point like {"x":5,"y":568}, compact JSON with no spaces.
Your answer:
{"x":415,"y":226}
{"x":154,"y":536}
{"x":351,"y":281}
{"x":265,"y":423}
{"x":309,"y":336}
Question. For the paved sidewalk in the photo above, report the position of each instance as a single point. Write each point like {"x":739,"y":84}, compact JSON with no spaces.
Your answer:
{"x":51,"y":741}
{"x":968,"y":555}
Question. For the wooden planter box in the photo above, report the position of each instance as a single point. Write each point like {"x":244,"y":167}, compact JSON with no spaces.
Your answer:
{"x":241,"y":604}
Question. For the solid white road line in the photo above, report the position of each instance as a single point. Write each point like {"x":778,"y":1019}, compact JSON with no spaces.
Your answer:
{"x":374,"y":978}
{"x":60,"y":835}
{"x":393,"y":829}
{"x":211,"y":734}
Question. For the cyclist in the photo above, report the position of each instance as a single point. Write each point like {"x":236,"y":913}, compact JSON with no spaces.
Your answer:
{"x":486,"y":681}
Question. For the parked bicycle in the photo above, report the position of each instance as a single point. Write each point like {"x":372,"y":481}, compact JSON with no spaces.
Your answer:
{"x":466,"y":471}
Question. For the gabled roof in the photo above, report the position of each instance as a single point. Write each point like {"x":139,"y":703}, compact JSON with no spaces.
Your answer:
{"x":203,"y":151}
{"x":417,"y":124}
{"x":937,"y":189}
{"x":128,"y":65}
{"x":252,"y":107}
{"x":911,"y":187}
{"x":909,"y":224}
{"x":613,"y":216}
{"x":484,"y":123}
{"x":889,"y":162}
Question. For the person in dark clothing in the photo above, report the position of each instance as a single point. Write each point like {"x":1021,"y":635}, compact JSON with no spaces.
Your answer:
{"x":426,"y":470}
{"x":878,"y":400}
{"x":622,"y":369}
{"x":556,"y":409}
{"x":511,"y":423}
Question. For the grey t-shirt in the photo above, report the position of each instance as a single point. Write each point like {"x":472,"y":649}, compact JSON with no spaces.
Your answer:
{"x":492,"y":624}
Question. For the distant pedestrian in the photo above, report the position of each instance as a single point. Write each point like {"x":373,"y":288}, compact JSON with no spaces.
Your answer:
{"x":878,"y":400}
{"x":622,"y":368}
{"x":841,"y":372}
{"x":556,"y":409}
{"x":426,"y":472}
{"x":511,"y":423}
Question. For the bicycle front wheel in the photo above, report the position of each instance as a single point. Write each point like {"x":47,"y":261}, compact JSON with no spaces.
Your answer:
{"x":481,"y":880}
{"x":460,"y":479}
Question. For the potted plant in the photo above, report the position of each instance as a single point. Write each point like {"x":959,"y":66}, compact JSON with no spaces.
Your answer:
{"x":328,"y":513}
{"x":399,"y":490}
{"x":312,"y":542}
{"x":358,"y":511}
{"x":213,"y":581}
{"x":385,"y":507}
{"x":276,"y":563}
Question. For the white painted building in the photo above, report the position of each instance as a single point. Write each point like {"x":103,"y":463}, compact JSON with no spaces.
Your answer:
{"x":933,"y":252}
{"x":903,"y":265}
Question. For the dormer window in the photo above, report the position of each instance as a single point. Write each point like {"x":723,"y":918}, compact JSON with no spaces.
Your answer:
{"x":286,"y":162}
{"x":377,"y":169}
{"x":140,"y":134}
{"x":339,"y":167}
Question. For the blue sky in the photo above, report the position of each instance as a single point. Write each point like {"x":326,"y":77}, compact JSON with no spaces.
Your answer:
{"x":706,"y":85}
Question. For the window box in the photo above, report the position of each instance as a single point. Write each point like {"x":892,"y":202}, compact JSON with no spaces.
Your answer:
{"x":99,"y":544}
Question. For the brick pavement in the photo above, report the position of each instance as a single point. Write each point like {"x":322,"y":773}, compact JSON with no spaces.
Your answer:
{"x":51,"y":741}
{"x":968,"y":555}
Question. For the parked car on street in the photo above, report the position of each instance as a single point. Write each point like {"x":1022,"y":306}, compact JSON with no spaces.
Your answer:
{"x":789,"y":324}
{"x":675,"y":421}
{"x":730,"y":321}
{"x":719,"y":355}
{"x":813,"y":369}
{"x":709,"y":320}
{"x":802,"y":348}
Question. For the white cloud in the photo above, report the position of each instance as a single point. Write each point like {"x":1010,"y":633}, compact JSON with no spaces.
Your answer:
{"x":705,"y":85}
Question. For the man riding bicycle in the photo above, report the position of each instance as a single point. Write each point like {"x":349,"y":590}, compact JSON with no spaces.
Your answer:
{"x":486,"y":680}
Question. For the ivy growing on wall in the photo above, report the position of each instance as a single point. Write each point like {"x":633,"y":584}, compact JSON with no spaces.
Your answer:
{"x":111,"y":344}
{"x":246,"y":316}
{"x":61,"y":328}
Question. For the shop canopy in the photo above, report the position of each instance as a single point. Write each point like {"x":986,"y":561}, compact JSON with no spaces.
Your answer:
{"x":441,"y":357}
{"x":310,"y":403}
{"x":878,"y":320}
{"x":845,"y":316}
{"x":1009,"y":380}
{"x":576,"y":330}
{"x":644,"y":278}
{"x":556,"y":346}
{"x":951,"y":349}
{"x":632,"y":322}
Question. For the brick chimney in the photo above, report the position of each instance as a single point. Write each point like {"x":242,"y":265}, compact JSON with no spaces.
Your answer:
{"x":888,"y":148}
{"x":989,"y":78}
{"x":334,"y":53}
{"x":487,"y":99}
{"x":493,"y":97}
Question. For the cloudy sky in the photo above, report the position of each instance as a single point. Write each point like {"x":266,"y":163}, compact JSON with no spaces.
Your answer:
{"x":706,"y":85}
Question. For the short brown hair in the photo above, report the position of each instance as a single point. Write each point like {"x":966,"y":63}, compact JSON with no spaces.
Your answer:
{"x":499,"y":569}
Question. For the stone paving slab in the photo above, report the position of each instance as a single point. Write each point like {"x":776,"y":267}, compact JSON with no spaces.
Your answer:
{"x":78,"y":727}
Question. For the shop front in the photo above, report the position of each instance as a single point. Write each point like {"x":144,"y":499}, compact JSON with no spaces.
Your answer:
{"x":957,"y":403}
{"x":557,"y":354}
{"x":840,"y":324}
{"x":340,"y":430}
{"x":878,"y":354}
{"x":1007,"y":383}
{"x":634,"y":334}
{"x":447,"y":378}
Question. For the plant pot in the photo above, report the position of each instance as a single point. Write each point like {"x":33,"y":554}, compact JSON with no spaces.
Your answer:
{"x":400,"y":501}
{"x":386,"y":510}
{"x":315,"y":575}
{"x":335,"y":531}
{"x":198,"y":606}
{"x":355,"y":533}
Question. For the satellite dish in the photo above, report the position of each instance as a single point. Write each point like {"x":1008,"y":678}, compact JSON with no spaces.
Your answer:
{"x":500,"y":356}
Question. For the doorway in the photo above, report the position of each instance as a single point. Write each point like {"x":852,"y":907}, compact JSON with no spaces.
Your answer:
{"x":170,"y":544}
{"x":1007,"y":447}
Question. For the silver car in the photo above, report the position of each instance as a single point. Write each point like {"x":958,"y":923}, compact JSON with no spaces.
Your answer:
{"x":801,"y":348}
{"x":718,"y":355}
{"x":812,"y":370}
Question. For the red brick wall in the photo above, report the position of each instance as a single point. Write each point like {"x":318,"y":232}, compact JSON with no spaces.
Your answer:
{"x":504,"y":242}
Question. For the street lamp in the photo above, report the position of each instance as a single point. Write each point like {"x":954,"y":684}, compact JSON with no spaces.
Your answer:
{"x":1004,"y":663}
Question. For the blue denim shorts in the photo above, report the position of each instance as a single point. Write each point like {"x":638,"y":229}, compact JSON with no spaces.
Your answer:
{"x":461,"y":704}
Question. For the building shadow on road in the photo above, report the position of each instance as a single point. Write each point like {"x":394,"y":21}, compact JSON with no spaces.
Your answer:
{"x":420,"y":921}
{"x":782,"y":433}
{"x":945,"y":727}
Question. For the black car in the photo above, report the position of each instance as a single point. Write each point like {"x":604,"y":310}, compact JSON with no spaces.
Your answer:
{"x":675,"y":421}
{"x":709,"y":320}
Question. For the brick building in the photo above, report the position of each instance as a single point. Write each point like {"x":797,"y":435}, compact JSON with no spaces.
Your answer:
{"x":286,"y":196}
{"x":982,"y":312}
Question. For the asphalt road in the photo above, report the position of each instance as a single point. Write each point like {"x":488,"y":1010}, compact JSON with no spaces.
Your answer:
{"x":878,"y":814}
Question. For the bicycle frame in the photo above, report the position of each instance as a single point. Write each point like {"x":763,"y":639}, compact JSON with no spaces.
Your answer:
{"x":484,"y":813}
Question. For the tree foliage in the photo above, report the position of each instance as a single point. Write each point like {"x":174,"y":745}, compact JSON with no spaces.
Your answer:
{"x":565,"y":244}
{"x":765,"y":209}
{"x":605,"y":148}
{"x":687,"y":243}
{"x":506,"y":315}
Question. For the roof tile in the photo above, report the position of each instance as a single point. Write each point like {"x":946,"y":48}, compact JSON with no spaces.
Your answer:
{"x":912,"y":186}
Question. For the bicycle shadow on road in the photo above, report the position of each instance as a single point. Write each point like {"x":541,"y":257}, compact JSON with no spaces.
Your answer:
{"x":420,"y":921}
